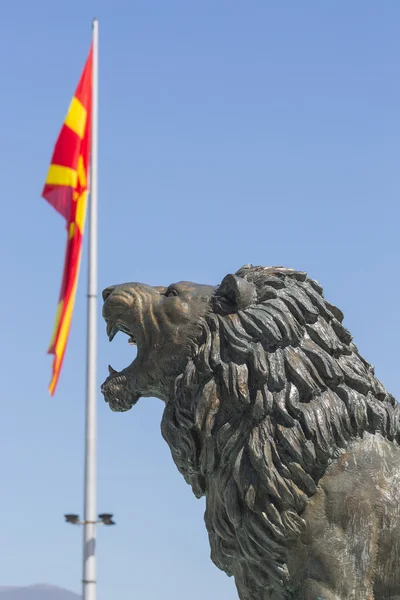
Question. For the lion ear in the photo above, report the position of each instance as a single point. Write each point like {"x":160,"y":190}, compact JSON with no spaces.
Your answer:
{"x":235,"y":294}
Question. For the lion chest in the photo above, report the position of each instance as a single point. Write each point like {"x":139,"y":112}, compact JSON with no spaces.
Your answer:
{"x":352,"y":523}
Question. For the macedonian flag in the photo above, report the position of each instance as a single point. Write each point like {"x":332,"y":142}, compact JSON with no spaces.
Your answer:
{"x":66,"y":189}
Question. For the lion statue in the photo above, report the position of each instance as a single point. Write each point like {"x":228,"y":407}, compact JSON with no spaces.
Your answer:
{"x":272,"y":415}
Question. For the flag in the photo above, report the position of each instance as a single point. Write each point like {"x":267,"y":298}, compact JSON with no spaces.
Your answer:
{"x":66,"y":189}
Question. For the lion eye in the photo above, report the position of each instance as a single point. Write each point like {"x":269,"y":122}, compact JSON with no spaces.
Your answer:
{"x":171,"y":292}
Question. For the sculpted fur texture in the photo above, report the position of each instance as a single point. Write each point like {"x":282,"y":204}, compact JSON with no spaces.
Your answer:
{"x":272,"y":415}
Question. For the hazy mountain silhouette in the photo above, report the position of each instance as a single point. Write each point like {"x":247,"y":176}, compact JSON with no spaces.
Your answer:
{"x":37,"y":592}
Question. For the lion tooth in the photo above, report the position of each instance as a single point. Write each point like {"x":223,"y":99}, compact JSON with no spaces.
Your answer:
{"x":131,"y":342}
{"x":109,"y":329}
{"x":111,"y":370}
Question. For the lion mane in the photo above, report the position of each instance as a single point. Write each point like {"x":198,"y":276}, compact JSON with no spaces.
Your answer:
{"x":270,"y":396}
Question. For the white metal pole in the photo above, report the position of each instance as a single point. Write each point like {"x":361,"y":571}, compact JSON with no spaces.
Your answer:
{"x":90,"y":516}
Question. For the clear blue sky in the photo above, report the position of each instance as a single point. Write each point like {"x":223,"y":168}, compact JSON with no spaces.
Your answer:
{"x":230,"y":132}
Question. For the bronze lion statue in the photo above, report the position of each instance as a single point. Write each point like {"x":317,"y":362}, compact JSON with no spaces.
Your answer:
{"x":272,"y":415}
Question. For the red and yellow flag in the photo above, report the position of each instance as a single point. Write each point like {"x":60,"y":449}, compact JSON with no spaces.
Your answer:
{"x":66,"y":189}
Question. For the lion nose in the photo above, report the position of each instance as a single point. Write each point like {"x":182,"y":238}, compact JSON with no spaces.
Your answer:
{"x":106,"y":293}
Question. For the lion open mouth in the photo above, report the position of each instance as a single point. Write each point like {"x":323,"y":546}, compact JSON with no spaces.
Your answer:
{"x":115,"y":388}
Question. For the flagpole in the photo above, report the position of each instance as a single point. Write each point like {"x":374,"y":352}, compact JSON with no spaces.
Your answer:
{"x":90,"y":516}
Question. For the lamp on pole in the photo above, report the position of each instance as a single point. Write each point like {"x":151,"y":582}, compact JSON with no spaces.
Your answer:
{"x":104,"y":519}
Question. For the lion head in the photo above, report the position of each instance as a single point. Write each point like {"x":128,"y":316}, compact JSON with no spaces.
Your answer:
{"x":263,"y":387}
{"x":164,"y":324}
